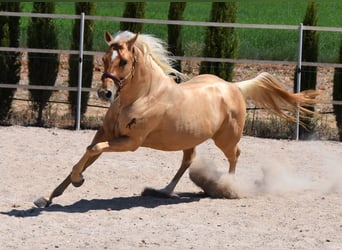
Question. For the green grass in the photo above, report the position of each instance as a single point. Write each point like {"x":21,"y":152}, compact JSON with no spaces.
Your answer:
{"x":254,"y":43}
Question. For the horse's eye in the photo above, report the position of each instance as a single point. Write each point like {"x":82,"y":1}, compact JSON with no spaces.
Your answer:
{"x":123,"y":63}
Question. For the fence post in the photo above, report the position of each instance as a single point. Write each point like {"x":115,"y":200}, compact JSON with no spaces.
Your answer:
{"x":80,"y":69}
{"x":299,"y":71}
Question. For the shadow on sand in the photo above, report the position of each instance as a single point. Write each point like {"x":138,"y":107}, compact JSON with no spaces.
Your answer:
{"x":114,"y":204}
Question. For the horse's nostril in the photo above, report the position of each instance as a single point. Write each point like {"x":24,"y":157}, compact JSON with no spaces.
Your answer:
{"x":109,"y":94}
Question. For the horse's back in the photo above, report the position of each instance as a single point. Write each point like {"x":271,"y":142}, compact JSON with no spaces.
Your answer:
{"x":216,"y":87}
{"x":203,"y":80}
{"x":210,"y":81}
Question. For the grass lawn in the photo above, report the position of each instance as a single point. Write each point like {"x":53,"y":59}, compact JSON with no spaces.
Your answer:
{"x":254,"y":43}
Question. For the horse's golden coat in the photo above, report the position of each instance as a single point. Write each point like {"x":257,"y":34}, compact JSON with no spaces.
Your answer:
{"x":150,"y":110}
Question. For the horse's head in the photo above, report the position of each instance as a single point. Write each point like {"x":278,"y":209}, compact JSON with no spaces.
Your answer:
{"x":119,"y":62}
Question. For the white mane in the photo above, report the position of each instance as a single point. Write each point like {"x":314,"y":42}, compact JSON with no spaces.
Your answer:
{"x":154,"y":47}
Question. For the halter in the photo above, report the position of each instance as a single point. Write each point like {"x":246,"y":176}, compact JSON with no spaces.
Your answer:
{"x":120,"y":82}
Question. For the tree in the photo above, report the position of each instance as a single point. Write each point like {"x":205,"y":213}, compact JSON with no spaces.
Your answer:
{"x":43,"y":67}
{"x":310,"y":54}
{"x":9,"y":61}
{"x":176,"y":11}
{"x":221,"y":42}
{"x":337,"y":95}
{"x":88,"y":61}
{"x":133,"y":10}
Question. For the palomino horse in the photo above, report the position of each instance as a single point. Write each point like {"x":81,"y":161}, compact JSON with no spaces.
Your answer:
{"x":148,"y":109}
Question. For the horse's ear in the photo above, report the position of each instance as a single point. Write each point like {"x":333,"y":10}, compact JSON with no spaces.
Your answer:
{"x":131,"y":42}
{"x":108,"y":37}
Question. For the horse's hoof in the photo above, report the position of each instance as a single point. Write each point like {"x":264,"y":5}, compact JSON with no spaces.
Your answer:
{"x":78,"y":183}
{"x":42,"y":202}
{"x":157,"y":193}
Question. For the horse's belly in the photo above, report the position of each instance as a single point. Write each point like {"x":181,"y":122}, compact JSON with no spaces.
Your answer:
{"x":179,"y":137}
{"x":172,"y":143}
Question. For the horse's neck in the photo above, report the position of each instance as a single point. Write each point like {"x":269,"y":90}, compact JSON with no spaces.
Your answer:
{"x":148,"y":77}
{"x":160,"y":84}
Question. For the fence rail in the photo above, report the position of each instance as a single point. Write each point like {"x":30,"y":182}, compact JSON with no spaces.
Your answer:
{"x":173,"y":22}
{"x":299,"y":27}
{"x":182,"y":58}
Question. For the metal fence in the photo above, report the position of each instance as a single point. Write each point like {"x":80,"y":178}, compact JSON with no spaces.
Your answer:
{"x":299,"y":63}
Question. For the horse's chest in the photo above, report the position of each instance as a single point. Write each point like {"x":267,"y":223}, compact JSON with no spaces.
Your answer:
{"x":126,"y":124}
{"x":129,"y":123}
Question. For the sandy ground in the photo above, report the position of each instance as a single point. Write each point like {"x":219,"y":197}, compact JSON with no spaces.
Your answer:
{"x":293,"y":196}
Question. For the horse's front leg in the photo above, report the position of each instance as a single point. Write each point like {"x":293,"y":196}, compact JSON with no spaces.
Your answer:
{"x":85,"y":161}
{"x":88,"y":158}
{"x":118,"y":144}
{"x":76,"y":174}
{"x":45,"y":201}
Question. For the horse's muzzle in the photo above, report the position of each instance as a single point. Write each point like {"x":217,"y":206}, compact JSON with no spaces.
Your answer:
{"x":105,"y":94}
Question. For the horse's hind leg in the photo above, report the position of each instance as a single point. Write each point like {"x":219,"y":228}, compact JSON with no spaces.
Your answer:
{"x":188,"y":156}
{"x":228,"y":146}
{"x":233,"y":158}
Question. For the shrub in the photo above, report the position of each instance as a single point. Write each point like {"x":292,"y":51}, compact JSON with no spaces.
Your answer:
{"x":43,"y":67}
{"x":310,"y":54}
{"x":9,"y":61}
{"x":221,"y":42}
{"x":337,"y":95}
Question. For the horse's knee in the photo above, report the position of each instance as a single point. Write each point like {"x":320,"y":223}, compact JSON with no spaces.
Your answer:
{"x":94,"y":149}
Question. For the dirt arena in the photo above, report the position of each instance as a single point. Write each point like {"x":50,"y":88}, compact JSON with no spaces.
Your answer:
{"x":292,"y":196}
